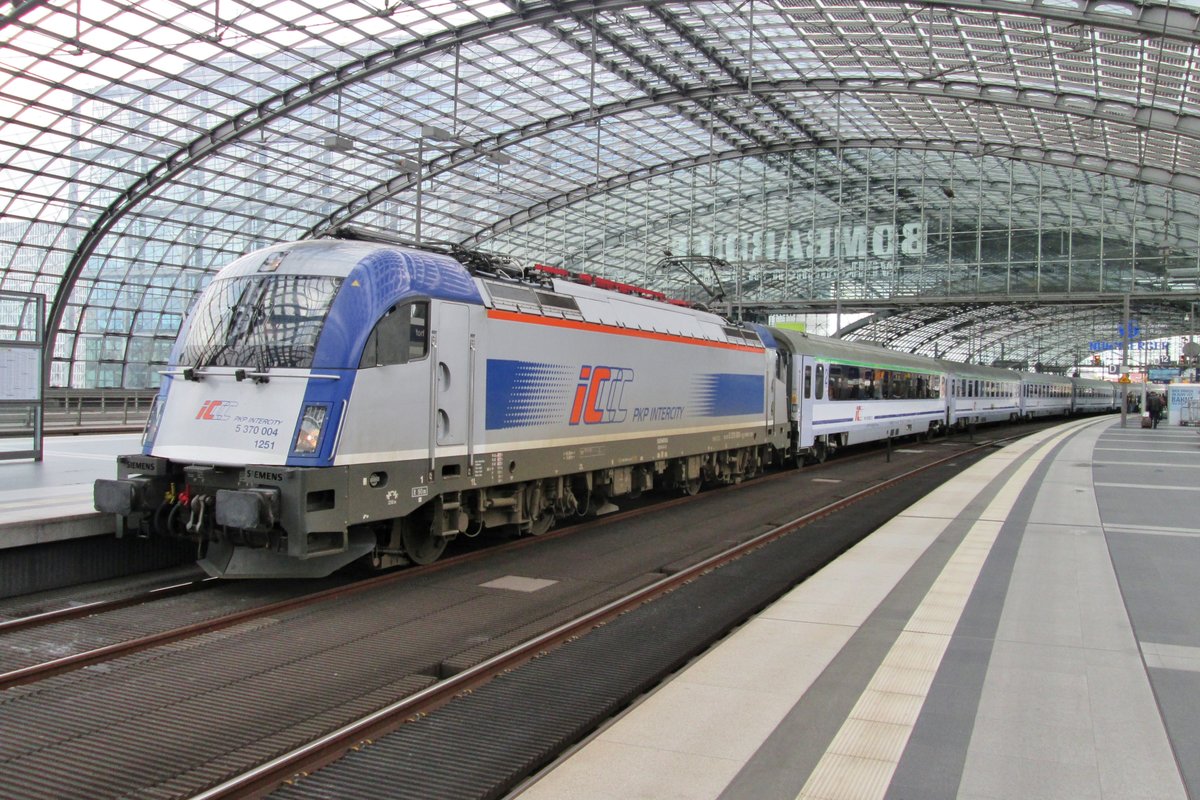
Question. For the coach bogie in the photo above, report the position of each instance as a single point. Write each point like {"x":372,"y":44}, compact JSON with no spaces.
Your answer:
{"x":823,"y":447}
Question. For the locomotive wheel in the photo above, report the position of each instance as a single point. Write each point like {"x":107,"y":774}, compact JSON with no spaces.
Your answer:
{"x":421,"y":544}
{"x":692,"y":488}
{"x":542,"y":524}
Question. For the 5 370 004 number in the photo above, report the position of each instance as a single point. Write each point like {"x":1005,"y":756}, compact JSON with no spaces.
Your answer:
{"x":256,"y":430}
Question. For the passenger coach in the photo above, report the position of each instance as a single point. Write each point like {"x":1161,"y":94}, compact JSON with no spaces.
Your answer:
{"x":1045,"y":395}
{"x":848,"y":392}
{"x":979,"y":394}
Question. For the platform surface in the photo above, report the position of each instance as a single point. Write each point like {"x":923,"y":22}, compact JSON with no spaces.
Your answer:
{"x":1029,"y":630}
{"x":51,"y":499}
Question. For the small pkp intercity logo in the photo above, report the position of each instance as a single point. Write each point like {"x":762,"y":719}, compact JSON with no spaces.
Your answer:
{"x":215,"y":410}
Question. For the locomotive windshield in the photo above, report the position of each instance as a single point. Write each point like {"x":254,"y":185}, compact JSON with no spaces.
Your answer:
{"x":259,"y":321}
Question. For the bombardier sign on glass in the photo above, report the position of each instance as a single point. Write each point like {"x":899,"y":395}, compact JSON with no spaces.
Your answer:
{"x":845,"y":242}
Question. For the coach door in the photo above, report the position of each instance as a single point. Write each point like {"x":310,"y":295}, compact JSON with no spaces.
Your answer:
{"x":810,"y":388}
{"x":451,"y":385}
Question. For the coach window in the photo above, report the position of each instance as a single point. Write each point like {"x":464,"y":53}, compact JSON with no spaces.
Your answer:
{"x":820,"y":381}
{"x":400,"y":337}
{"x":870,"y":387}
{"x":808,"y":383}
{"x":836,"y":382}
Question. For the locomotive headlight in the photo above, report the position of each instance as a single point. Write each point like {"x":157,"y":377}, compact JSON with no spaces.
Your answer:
{"x":309,"y":434}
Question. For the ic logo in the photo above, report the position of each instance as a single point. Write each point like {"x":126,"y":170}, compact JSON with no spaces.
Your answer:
{"x":215,"y":410}
{"x":599,"y":396}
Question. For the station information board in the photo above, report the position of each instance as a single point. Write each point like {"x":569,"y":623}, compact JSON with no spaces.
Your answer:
{"x":22,"y":332}
{"x":20,"y":372}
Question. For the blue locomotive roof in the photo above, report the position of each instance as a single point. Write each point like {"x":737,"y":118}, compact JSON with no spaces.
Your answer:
{"x":382,"y":276}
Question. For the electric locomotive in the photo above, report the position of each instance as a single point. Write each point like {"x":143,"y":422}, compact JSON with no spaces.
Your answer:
{"x":334,"y":400}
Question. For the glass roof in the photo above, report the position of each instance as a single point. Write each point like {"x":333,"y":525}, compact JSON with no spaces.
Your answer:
{"x":880,"y":155}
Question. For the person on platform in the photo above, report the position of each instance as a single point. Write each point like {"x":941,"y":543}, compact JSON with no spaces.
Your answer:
{"x":1154,"y":405}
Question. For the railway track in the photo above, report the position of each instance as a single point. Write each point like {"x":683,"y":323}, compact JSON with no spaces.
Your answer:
{"x":335,"y":658}
{"x":294,"y":767}
{"x":93,"y":607}
{"x":118,"y":648}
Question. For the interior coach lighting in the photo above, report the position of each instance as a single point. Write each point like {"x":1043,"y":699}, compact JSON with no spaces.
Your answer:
{"x":309,"y":434}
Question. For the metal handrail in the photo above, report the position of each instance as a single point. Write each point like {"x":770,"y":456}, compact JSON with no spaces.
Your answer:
{"x":82,"y":411}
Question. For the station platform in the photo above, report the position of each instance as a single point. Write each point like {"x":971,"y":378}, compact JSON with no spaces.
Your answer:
{"x":51,"y":500}
{"x":1028,"y":630}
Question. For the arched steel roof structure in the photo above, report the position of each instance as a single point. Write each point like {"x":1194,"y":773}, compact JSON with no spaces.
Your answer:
{"x":991,"y":179}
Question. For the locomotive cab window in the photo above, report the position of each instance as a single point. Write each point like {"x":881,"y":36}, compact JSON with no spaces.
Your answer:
{"x":400,"y":337}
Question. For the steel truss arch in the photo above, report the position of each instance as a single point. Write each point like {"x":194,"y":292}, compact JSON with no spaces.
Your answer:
{"x":159,"y":135}
{"x":1058,"y":158}
{"x":1149,"y":21}
{"x":295,"y":97}
{"x":990,"y":326}
{"x":1075,"y":104}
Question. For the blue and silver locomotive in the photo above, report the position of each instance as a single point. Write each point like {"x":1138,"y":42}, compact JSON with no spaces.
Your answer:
{"x":333,"y":400}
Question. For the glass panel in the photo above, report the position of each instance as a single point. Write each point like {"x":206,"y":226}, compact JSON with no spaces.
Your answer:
{"x":259,"y":322}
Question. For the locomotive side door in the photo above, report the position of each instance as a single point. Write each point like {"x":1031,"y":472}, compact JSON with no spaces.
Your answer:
{"x":451,"y":379}
{"x":774,"y":364}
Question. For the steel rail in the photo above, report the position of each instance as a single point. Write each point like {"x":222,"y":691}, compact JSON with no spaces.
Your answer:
{"x":102,"y":606}
{"x":48,"y":669}
{"x":327,"y":748}
{"x":78,"y":660}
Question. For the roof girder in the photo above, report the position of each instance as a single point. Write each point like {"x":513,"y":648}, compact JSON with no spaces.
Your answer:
{"x":1147,"y":21}
{"x":1113,"y":167}
{"x":1064,"y":102}
{"x":298,"y":96}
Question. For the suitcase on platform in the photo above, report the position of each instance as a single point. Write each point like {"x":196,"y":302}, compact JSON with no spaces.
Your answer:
{"x":1146,"y":421}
